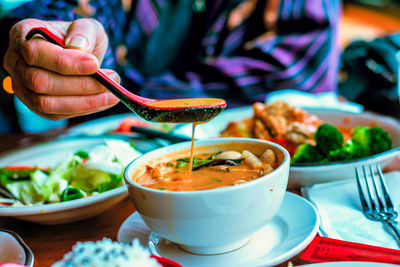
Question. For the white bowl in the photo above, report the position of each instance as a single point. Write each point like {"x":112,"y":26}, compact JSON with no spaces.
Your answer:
{"x":210,"y":221}
{"x":47,"y":155}
{"x":13,"y":249}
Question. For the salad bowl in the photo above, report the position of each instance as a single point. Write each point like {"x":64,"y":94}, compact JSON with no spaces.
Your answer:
{"x":49,"y":154}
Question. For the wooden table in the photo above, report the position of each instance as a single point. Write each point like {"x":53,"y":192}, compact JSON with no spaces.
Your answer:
{"x":50,"y":243}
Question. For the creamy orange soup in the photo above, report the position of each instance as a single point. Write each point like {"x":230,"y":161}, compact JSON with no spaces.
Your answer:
{"x":209,"y":171}
{"x":187,"y":102}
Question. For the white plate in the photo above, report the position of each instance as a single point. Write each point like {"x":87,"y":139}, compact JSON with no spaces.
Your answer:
{"x":49,"y":154}
{"x":109,"y":123}
{"x":350,"y":264}
{"x":13,"y":249}
{"x":314,"y":173}
{"x":100,"y":125}
{"x":291,"y":230}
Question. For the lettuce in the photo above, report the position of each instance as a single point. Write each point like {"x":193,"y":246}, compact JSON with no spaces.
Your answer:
{"x":81,"y":174}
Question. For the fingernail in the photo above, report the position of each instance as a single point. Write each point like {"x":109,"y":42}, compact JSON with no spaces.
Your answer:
{"x":88,"y":66}
{"x":79,"y":42}
{"x":115,"y":76}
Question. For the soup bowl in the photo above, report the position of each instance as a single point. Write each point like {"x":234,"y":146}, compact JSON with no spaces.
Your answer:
{"x":209,"y":221}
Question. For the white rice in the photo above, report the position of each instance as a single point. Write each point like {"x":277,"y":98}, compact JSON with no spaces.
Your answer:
{"x":108,"y":254}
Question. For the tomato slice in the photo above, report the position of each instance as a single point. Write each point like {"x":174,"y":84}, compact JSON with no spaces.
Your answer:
{"x":286,"y":144}
{"x":24,"y":168}
{"x":127,"y":123}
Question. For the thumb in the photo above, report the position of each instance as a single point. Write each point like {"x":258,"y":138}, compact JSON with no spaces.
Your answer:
{"x":87,"y":35}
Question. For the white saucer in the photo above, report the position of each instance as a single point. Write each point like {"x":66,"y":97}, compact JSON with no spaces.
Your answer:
{"x":291,"y":230}
{"x":350,"y":264}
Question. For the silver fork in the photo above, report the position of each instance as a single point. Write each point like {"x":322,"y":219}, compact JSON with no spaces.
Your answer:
{"x":375,"y":199}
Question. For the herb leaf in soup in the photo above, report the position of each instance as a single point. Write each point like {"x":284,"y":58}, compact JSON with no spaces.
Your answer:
{"x":212,"y":160}
{"x":184,"y":160}
{"x":82,"y":154}
{"x":181,"y":164}
{"x":216,"y":162}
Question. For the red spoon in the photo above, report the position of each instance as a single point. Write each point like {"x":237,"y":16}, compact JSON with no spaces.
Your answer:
{"x":169,"y":110}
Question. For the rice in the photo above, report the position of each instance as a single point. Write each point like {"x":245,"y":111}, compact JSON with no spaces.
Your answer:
{"x":108,"y":254}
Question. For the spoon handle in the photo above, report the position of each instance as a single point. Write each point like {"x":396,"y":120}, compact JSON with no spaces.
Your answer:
{"x":131,"y":100}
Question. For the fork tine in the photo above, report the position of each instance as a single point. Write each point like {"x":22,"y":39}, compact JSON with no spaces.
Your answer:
{"x":364,"y":203}
{"x":372,"y":199}
{"x":389,"y":203}
{"x":380,"y":199}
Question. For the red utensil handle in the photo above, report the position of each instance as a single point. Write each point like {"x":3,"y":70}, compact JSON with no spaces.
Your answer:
{"x":51,"y":37}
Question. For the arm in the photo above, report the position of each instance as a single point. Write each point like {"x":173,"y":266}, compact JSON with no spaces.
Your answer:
{"x":245,"y":62}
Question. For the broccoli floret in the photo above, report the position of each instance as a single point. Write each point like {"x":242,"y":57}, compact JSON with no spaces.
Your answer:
{"x":361,"y":135}
{"x":380,"y":141}
{"x":372,"y":140}
{"x":307,"y":153}
{"x":328,"y":138}
{"x":351,"y":150}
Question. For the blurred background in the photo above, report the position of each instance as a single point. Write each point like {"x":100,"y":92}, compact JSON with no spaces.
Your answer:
{"x":361,"y":20}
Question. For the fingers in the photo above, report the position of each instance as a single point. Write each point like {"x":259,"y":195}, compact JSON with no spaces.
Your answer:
{"x":245,"y":9}
{"x":62,"y":107}
{"x":45,"y":82}
{"x":240,"y":13}
{"x":87,"y":35}
{"x":271,"y":13}
{"x":43,"y":54}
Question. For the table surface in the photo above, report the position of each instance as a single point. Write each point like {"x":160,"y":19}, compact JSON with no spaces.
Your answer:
{"x":50,"y":243}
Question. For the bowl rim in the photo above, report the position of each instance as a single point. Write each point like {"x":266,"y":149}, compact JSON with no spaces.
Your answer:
{"x":395,"y":151}
{"x":29,"y":257}
{"x":285,"y":164}
{"x":63,"y":206}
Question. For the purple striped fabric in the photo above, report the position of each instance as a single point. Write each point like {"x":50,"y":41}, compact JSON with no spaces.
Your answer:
{"x":210,"y":59}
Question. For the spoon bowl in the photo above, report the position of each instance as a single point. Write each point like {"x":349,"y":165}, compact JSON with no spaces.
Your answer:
{"x":167,"y":110}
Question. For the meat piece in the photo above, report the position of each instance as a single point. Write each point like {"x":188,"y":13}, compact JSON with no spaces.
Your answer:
{"x":260,"y":131}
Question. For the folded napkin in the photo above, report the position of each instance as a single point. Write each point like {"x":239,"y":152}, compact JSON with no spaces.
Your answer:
{"x":341,"y":215}
{"x":326,"y":100}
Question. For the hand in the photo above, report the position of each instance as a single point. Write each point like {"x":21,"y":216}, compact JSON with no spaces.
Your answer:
{"x":246,"y":8}
{"x":52,"y":81}
{"x":243,"y":12}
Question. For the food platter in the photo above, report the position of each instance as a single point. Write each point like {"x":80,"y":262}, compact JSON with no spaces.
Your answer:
{"x":49,"y":154}
{"x":313,"y":173}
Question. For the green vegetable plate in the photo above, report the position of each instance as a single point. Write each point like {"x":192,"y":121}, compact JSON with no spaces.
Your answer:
{"x":312,"y":173}
{"x":72,"y":178}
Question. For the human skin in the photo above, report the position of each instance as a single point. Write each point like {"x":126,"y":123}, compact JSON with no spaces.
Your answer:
{"x":52,"y":81}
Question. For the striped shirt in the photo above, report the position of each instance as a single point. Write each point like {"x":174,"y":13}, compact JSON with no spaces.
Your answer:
{"x":210,"y":48}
